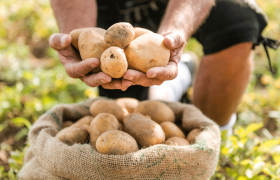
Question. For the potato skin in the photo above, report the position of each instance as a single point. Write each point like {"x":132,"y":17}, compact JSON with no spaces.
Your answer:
{"x":192,"y":135}
{"x":119,"y":34}
{"x":116,"y":142}
{"x":171,"y":130}
{"x":66,"y":124}
{"x":177,"y":141}
{"x":101,"y":123}
{"x":107,"y":106}
{"x":113,"y":62}
{"x":140,"y":31}
{"x":146,"y":52}
{"x":145,"y":131}
{"x":85,"y":120}
{"x":76,"y":133}
{"x":158,"y":111}
{"x":128,"y":103}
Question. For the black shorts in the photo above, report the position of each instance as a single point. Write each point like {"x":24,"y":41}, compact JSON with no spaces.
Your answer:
{"x":230,"y":22}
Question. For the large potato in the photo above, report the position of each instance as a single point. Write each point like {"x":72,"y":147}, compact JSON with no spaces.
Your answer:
{"x":128,"y":103}
{"x":158,"y":111}
{"x":145,"y":131}
{"x":85,"y":120}
{"x":147,"y":51}
{"x":140,"y":31}
{"x":91,"y":45}
{"x":76,"y":33}
{"x":171,"y":130}
{"x":100,"y":124}
{"x":76,"y":133}
{"x":192,"y":135}
{"x":177,"y":141}
{"x":119,"y":34}
{"x":116,"y":142}
{"x":113,"y":62}
{"x":107,"y":106}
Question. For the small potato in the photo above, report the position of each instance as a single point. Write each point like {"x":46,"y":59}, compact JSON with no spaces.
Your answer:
{"x":146,"y":52}
{"x":113,"y":62}
{"x":76,"y":33}
{"x":107,"y":106}
{"x":145,"y":131}
{"x":76,"y":133}
{"x":66,"y":124}
{"x":177,"y":141}
{"x":140,"y":31}
{"x":91,"y":45}
{"x":192,"y":135}
{"x":119,"y":34}
{"x":116,"y":142}
{"x":101,"y":123}
{"x":129,"y":103}
{"x":85,"y":120}
{"x":171,"y":130}
{"x":158,"y":111}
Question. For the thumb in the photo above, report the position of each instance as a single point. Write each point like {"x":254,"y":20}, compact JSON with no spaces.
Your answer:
{"x":59,"y":41}
{"x":174,"y":40}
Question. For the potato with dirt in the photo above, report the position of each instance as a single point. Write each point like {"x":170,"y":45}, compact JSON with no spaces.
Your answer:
{"x":140,"y":31}
{"x":116,"y":142}
{"x":128,"y":103}
{"x":171,"y":130}
{"x":177,"y":141}
{"x":191,"y":137}
{"x":101,"y":123}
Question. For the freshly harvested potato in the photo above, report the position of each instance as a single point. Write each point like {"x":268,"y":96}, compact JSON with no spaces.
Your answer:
{"x":140,"y":31}
{"x":192,"y":135}
{"x":107,"y":106}
{"x":131,"y":116}
{"x":177,"y":141}
{"x":158,"y":111}
{"x":128,"y":103}
{"x":171,"y":130}
{"x":85,"y":120}
{"x":144,"y":130}
{"x":76,"y":133}
{"x":76,"y":33}
{"x":113,"y":62}
{"x":101,"y":123}
{"x":116,"y":142}
{"x":66,"y":124}
{"x":91,"y":45}
{"x":119,"y":34}
{"x":146,"y":52}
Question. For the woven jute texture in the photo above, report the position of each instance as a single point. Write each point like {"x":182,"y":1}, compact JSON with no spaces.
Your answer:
{"x":49,"y":158}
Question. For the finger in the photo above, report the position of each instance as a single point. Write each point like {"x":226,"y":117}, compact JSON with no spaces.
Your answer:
{"x":126,"y":84}
{"x":59,"y":41}
{"x":114,"y":84}
{"x":168,"y":72}
{"x":174,"y":40}
{"x":94,"y":80}
{"x":76,"y":68}
{"x":140,"y":78}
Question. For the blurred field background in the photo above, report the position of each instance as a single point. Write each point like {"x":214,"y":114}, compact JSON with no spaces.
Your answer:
{"x":32,"y":80}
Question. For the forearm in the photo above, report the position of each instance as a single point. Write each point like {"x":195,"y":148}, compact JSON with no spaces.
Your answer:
{"x":185,"y":16}
{"x":74,"y":14}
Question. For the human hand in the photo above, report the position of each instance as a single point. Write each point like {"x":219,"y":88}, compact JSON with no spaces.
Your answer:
{"x":76,"y":68}
{"x":175,"y":41}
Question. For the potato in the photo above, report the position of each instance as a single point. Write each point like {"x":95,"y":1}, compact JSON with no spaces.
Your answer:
{"x":192,"y":135}
{"x":131,"y":116}
{"x":116,"y":142}
{"x":119,"y":34}
{"x":85,"y":120}
{"x":66,"y":124}
{"x":128,"y":103}
{"x":113,"y":62}
{"x":91,"y":45}
{"x":107,"y":106}
{"x":76,"y":33}
{"x":121,"y":128}
{"x":100,"y":124}
{"x":145,"y":131}
{"x":171,"y":130}
{"x":158,"y":111}
{"x":76,"y":133}
{"x":140,"y":31}
{"x":146,"y":52}
{"x":177,"y":141}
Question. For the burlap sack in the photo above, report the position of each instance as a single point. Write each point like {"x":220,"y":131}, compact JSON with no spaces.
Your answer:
{"x":48,"y":158}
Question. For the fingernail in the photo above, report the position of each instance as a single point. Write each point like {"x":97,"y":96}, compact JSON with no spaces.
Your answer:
{"x":153,"y":76}
{"x":130,"y":78}
{"x":103,"y":81}
{"x":62,"y":40}
{"x":93,"y":65}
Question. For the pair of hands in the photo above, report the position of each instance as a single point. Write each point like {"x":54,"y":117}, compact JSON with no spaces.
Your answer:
{"x":76,"y":68}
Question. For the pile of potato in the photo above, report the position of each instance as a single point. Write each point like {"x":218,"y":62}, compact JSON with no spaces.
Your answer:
{"x":124,"y":125}
{"x":121,"y":47}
